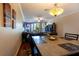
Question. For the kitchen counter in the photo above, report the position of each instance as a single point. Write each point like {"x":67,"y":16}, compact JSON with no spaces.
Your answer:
{"x":51,"y":47}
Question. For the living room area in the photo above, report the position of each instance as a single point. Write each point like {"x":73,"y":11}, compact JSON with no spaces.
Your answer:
{"x":60,"y":28}
{"x":39,"y":29}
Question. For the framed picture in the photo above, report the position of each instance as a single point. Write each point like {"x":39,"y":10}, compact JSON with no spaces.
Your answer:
{"x":7,"y":15}
{"x":13,"y":18}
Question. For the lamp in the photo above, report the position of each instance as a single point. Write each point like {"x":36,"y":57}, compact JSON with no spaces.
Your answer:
{"x":56,"y":11}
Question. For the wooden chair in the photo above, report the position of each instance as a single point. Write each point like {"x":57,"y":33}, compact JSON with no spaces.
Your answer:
{"x":70,"y":36}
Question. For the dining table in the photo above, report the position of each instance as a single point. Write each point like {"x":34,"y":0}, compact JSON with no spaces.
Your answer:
{"x":56,"y":46}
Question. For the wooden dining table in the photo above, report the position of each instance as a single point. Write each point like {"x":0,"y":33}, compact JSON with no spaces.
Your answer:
{"x":48,"y":47}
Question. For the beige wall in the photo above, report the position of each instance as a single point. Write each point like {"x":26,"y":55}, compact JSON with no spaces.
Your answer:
{"x":10,"y":39}
{"x":68,"y":24}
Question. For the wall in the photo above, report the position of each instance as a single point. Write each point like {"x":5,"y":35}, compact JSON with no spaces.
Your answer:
{"x":10,"y":39}
{"x":68,"y":24}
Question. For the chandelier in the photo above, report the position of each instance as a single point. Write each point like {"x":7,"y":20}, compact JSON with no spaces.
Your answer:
{"x":56,"y":10}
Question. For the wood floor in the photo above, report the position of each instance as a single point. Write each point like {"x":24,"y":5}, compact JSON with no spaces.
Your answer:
{"x":24,"y":50}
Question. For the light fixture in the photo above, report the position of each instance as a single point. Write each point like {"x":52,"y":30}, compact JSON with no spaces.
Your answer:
{"x":38,"y":18}
{"x":56,"y":10}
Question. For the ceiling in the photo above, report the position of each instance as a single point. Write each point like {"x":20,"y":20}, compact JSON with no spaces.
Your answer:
{"x":31,"y":10}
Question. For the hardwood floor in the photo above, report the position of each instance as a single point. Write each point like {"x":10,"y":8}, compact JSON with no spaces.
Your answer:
{"x":25,"y":50}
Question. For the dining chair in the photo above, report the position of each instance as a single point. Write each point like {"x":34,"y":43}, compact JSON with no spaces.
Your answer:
{"x":70,"y":36}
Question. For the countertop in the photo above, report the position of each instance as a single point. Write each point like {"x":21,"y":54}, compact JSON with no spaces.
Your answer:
{"x":51,"y":48}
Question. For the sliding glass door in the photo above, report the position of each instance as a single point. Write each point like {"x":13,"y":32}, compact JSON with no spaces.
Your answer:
{"x":35,"y":27}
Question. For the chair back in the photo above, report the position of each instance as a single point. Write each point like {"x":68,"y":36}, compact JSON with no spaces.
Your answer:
{"x":70,"y":36}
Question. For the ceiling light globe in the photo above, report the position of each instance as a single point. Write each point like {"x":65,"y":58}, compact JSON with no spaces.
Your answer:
{"x":56,"y":11}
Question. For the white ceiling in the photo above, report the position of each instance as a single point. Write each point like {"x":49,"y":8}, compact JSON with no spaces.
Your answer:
{"x":31,"y":10}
